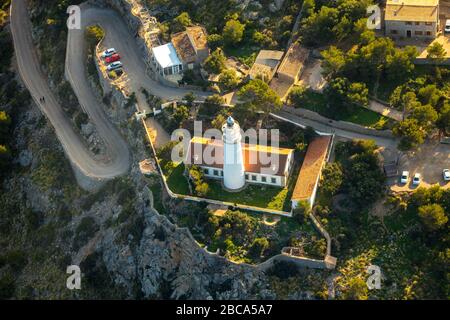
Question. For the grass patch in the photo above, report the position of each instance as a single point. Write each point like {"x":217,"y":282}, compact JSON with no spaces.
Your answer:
{"x":317,"y":102}
{"x":254,"y":195}
{"x":176,"y":180}
{"x":245,"y":53}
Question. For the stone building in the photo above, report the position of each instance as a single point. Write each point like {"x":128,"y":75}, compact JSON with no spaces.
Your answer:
{"x":191,"y":46}
{"x":417,"y":19}
{"x":186,"y":50}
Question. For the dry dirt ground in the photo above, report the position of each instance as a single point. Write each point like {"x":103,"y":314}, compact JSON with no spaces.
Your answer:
{"x":429,"y":161}
{"x":312,"y":76}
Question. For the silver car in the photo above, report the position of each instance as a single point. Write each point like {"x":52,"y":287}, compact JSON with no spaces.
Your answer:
{"x":115,"y":65}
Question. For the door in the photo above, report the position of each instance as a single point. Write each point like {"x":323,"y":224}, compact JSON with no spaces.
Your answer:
{"x":408,"y":33}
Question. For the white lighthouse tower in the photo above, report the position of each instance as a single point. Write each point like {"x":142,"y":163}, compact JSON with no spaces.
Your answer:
{"x":233,"y":162}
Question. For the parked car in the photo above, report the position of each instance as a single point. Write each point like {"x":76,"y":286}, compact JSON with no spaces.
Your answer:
{"x":417,"y":179}
{"x":113,"y":58}
{"x":446,"y":174}
{"x":115,"y":65}
{"x":447,"y":26}
{"x":404,"y":178}
{"x":108,"y":52}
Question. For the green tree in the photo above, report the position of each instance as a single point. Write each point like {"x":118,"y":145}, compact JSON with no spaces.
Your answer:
{"x":189,"y":98}
{"x":202,"y":189}
{"x":215,"y":41}
{"x":218,"y":121}
{"x":258,"y":247}
{"x":430,"y":94}
{"x":256,"y":96}
{"x":181,"y":22}
{"x":180,"y":114}
{"x":5,"y":157}
{"x":212,"y":105}
{"x":433,"y":216}
{"x":228,"y":79}
{"x":400,"y":64}
{"x":233,"y":32}
{"x":425,"y":115}
{"x":302,"y":211}
{"x":5,"y":122}
{"x":364,"y":179}
{"x":317,"y":29}
{"x":443,"y":122}
{"x":436,"y":52}
{"x":342,"y":92}
{"x":215,"y":63}
{"x":308,"y":7}
{"x":410,"y":132}
{"x":334,"y":61}
{"x":297,"y":96}
{"x":356,"y":289}
{"x":332,"y":178}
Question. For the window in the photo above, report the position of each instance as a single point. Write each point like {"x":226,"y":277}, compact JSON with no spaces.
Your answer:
{"x":394,"y":32}
{"x":246,"y":176}
{"x":428,"y":23}
{"x":417,"y":23}
{"x":253,"y":177}
{"x":274,"y":180}
{"x":428,"y":33}
{"x":216,"y":172}
{"x":418,"y":33}
{"x":263,"y":179}
{"x":221,"y":173}
{"x":206,"y":171}
{"x":408,"y":23}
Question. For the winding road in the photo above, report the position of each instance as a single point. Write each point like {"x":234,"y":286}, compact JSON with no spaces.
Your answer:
{"x":117,"y":159}
{"x":117,"y":35}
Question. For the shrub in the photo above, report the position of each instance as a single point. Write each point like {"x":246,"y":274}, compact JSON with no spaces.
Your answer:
{"x":433,"y":216}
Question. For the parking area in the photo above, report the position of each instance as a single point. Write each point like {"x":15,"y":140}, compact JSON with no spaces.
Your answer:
{"x":429,"y":161}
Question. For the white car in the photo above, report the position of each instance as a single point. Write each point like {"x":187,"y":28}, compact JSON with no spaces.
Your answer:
{"x":447,"y":26}
{"x":416,"y":179}
{"x":404,"y":178}
{"x":108,"y":52}
{"x":115,"y":65}
{"x":446,"y":174}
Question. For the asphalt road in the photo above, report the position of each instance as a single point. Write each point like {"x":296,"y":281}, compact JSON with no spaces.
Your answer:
{"x":118,"y":36}
{"x":327,"y":129}
{"x":117,"y":159}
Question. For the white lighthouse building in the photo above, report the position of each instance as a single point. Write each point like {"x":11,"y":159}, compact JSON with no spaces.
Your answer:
{"x":233,"y":160}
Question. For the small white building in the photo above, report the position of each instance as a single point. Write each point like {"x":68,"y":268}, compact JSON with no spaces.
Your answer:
{"x":166,"y":61}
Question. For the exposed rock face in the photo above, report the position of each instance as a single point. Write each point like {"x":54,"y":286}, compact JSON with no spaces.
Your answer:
{"x":25,"y":158}
{"x":168,"y":263}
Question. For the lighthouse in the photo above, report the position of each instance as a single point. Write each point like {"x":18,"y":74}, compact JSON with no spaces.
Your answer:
{"x":233,"y":162}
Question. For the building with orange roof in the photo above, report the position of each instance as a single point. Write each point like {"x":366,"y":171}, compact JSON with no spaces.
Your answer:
{"x":262,"y":164}
{"x":191,"y":46}
{"x":310,"y":173}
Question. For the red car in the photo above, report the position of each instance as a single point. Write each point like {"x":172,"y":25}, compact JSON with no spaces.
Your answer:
{"x":113,"y":58}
